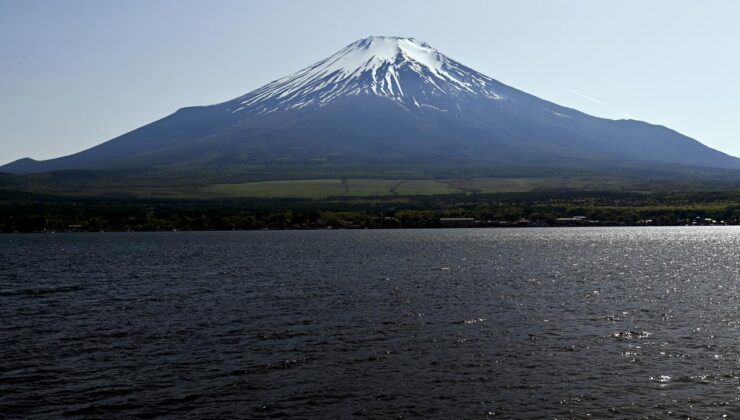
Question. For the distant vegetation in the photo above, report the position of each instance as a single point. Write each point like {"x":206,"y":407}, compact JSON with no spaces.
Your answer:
{"x":23,"y":212}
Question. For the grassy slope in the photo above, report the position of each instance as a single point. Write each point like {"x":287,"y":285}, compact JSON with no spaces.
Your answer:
{"x":218,"y":185}
{"x":323,"y":188}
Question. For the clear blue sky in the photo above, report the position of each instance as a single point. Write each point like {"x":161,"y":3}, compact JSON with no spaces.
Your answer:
{"x":76,"y":73}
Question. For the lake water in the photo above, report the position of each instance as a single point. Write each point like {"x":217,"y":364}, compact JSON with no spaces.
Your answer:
{"x":460,"y":323}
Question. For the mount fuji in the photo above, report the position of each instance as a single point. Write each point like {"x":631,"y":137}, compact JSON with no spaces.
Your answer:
{"x":387,"y":101}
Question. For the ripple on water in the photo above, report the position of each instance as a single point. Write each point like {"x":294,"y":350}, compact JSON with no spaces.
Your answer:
{"x":420,"y":323}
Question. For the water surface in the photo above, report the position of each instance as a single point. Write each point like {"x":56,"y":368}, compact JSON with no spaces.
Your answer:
{"x":461,"y":323}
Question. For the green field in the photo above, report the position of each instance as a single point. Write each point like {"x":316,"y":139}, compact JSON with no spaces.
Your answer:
{"x":234,"y":185}
{"x":322,"y":188}
{"x":364,"y":187}
{"x":310,"y":188}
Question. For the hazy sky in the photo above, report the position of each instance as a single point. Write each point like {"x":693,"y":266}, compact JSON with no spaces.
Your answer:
{"x":76,"y":73}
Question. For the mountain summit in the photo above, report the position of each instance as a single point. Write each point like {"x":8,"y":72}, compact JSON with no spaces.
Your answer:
{"x":401,"y":69}
{"x":387,"y":100}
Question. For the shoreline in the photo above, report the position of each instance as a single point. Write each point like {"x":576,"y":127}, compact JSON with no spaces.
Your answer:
{"x":369,"y":228}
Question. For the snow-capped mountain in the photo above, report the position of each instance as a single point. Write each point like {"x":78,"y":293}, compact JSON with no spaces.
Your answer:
{"x":404,"y":70}
{"x":387,"y":100}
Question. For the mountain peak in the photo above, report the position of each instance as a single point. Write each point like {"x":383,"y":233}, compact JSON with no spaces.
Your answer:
{"x":388,"y":46}
{"x":405,"y":70}
{"x":374,"y":51}
{"x":385,"y":38}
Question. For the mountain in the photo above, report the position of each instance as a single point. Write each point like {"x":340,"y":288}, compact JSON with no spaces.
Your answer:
{"x":387,"y":100}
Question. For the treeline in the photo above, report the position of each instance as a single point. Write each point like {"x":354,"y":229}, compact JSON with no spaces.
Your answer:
{"x":40,"y":213}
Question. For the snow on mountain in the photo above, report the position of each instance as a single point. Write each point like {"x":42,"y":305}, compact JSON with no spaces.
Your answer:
{"x":401,"y":69}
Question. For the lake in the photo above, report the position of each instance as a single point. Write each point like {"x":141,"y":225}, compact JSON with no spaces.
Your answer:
{"x":447,"y":323}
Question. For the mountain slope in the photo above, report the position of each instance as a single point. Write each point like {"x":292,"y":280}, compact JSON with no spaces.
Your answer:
{"x":386,"y":100}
